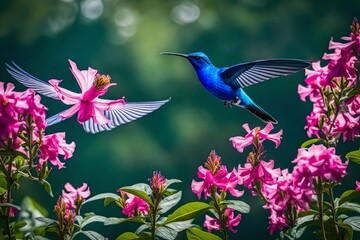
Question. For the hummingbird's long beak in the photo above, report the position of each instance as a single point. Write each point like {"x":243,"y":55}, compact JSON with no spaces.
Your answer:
{"x":176,"y":54}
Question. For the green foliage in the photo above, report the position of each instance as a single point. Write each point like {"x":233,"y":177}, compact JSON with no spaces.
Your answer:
{"x":198,"y":234}
{"x":354,"y":156}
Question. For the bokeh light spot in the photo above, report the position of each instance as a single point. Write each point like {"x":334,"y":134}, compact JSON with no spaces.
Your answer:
{"x":185,"y":13}
{"x":92,"y":9}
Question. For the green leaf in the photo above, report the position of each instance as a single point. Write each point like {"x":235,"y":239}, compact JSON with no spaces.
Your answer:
{"x":9,"y":205}
{"x":353,"y":92}
{"x":171,"y":181}
{"x":180,"y":226}
{"x":311,"y":141}
{"x":114,"y":220}
{"x":91,"y":219}
{"x":354,"y":156}
{"x":346,"y":231}
{"x":348,"y":195}
{"x":170,"y":201}
{"x":187,"y":211}
{"x":47,"y":186}
{"x":239,"y":206}
{"x":349,"y":206}
{"x":354,"y":222}
{"x":46,"y":220}
{"x":166,"y":233}
{"x":92,"y":235}
{"x":102,"y":196}
{"x":142,"y":187}
{"x":139,"y":193}
{"x":307,"y":213}
{"x":198,"y":234}
{"x":31,"y":205}
{"x":127,"y":236}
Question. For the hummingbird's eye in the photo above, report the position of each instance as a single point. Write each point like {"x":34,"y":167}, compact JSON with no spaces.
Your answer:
{"x":197,"y":57}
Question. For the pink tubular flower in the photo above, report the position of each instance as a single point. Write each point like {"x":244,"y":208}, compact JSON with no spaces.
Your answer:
{"x":262,"y":134}
{"x":216,"y":175}
{"x":357,"y":185}
{"x":264,"y":172}
{"x":135,"y":206}
{"x":213,"y":223}
{"x":87,"y":103}
{"x":75,"y":197}
{"x":54,"y":145}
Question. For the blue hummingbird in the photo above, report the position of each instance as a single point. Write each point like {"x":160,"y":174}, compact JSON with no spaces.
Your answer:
{"x":227,"y":83}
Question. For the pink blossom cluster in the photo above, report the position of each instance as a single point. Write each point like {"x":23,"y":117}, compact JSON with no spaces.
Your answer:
{"x":330,"y":80}
{"x":217,"y":176}
{"x":73,"y":198}
{"x":232,"y":221}
{"x":134,"y":206}
{"x":15,"y":110}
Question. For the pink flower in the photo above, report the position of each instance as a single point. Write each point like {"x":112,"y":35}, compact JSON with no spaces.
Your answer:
{"x":357,"y":185}
{"x":213,"y":223}
{"x":262,"y":134}
{"x":87,"y":103}
{"x":221,"y":179}
{"x":54,"y":145}
{"x":264,"y":172}
{"x":157,"y":182}
{"x":318,"y":161}
{"x":75,"y":197}
{"x":15,"y":108}
{"x":135,"y":206}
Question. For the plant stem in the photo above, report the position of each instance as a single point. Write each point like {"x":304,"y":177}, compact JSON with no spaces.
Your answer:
{"x":222,"y":217}
{"x":333,"y":212}
{"x":320,"y":199}
{"x":8,"y":196}
{"x":153,"y":216}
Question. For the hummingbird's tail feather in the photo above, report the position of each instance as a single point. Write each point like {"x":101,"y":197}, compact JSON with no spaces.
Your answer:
{"x":260,"y":113}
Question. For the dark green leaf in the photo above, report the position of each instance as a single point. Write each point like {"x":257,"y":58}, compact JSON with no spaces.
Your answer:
{"x":92,"y":235}
{"x":188,"y":211}
{"x":311,"y":141}
{"x":346,"y":231}
{"x":47,"y":186}
{"x":348,"y":195}
{"x":238,"y":206}
{"x":20,"y":154}
{"x":198,"y":234}
{"x":171,"y":181}
{"x":353,"y":92}
{"x":91,"y":219}
{"x":127,"y":236}
{"x":139,"y":193}
{"x":170,"y":201}
{"x":19,"y":224}
{"x":31,"y":205}
{"x":102,"y":196}
{"x":307,"y":213}
{"x":114,"y":220}
{"x":46,"y":220}
{"x":142,"y":228}
{"x":354,"y":156}
{"x":354,"y":222}
{"x":349,"y":206}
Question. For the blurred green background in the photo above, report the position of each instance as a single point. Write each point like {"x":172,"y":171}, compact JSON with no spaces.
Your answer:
{"x":124,"y":39}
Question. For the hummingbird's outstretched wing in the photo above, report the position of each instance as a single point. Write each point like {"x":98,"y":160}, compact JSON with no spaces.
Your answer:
{"x":32,"y":82}
{"x":246,"y":74}
{"x":122,"y":114}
